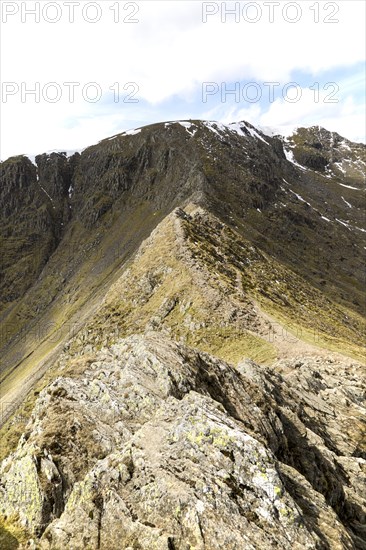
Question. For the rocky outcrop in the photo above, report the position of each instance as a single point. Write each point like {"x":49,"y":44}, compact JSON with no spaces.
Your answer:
{"x":26,"y":228}
{"x":55,"y":177}
{"x":150,"y":444}
{"x":318,"y":149}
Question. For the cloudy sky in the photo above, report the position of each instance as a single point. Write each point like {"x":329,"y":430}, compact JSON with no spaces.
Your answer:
{"x":75,"y":72}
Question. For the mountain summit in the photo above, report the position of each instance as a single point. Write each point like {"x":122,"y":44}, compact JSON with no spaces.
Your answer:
{"x":182,"y":311}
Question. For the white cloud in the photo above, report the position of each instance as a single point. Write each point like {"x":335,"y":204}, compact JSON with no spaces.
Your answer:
{"x":346,"y":118}
{"x":169,"y":53}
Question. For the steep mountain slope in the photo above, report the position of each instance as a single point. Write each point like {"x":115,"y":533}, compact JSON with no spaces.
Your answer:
{"x":202,"y":283}
{"x":263,"y":258}
{"x":69,"y":231}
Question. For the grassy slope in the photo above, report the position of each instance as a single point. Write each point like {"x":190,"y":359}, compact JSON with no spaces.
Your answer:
{"x":198,"y":281}
{"x":139,"y":299}
{"x":65,"y":312}
{"x":279,"y":290}
{"x":187,"y":279}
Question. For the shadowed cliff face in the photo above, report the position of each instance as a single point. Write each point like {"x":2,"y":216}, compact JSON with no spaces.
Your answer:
{"x":27,"y":228}
{"x":228,"y":242}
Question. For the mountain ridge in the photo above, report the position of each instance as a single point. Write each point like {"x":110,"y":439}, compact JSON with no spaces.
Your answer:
{"x":237,"y":246}
{"x":135,"y":180}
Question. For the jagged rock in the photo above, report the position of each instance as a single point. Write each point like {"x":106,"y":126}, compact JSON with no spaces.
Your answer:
{"x":152,"y":444}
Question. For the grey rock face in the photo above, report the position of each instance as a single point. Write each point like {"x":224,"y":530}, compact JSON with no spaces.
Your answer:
{"x":151,"y":444}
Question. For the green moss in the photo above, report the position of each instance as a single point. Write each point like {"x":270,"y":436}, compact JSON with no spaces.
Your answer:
{"x":12,"y":534}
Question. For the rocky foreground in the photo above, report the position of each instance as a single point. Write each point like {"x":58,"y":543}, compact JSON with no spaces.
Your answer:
{"x":150,"y":444}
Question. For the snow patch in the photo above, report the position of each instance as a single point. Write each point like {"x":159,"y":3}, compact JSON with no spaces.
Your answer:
{"x":254,"y":133}
{"x":32,"y":158}
{"x":290,"y":157}
{"x":44,"y":190}
{"x":239,"y":128}
{"x":343,"y":223}
{"x":132,"y":132}
{"x":215,"y":127}
{"x":299,"y":197}
{"x":189,"y":126}
{"x":243,"y":130}
{"x":349,"y":186}
{"x":350,"y":227}
{"x":340,"y":167}
{"x":347,"y":203}
{"x":185,"y":124}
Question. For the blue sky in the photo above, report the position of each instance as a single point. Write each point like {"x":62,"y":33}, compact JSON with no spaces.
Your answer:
{"x":166,"y":57}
